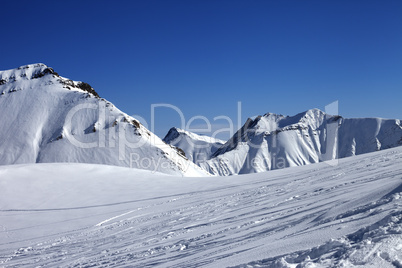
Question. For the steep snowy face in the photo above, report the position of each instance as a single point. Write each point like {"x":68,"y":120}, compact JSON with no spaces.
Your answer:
{"x":197,"y":148}
{"x":276,"y":141}
{"x":49,"y":118}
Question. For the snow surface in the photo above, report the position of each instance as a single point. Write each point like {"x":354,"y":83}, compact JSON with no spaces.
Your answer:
{"x":275,"y":141}
{"x":197,"y":148}
{"x":46,"y":118}
{"x":349,"y":215}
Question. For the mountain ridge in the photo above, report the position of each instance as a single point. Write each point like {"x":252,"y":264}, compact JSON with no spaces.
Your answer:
{"x":274,"y":141}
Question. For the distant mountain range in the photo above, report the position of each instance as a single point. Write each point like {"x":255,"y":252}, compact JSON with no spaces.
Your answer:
{"x":275,"y":141}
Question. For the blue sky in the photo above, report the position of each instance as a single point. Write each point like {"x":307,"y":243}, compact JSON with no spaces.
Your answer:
{"x":205,"y":56}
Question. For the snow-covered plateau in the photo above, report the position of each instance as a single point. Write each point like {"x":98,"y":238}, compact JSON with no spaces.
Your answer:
{"x":85,"y":215}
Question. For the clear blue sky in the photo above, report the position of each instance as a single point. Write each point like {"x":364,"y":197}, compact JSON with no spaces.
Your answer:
{"x":205,"y":56}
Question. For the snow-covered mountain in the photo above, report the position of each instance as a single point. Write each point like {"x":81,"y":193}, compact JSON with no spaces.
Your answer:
{"x":197,"y":148}
{"x":275,"y":141}
{"x":49,"y":118}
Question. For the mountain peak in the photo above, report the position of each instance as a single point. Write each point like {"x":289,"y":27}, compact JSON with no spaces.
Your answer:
{"x":197,"y":148}
{"x":176,"y":132}
{"x":34,"y":65}
{"x":14,"y":77}
{"x":272,"y":121}
{"x":313,"y":111}
{"x":172,"y":134}
{"x":26,"y":72}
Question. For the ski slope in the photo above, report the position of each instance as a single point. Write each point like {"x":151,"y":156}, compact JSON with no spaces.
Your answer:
{"x":84,"y":215}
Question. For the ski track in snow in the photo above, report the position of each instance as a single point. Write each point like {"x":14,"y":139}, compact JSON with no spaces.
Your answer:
{"x":315,"y":216}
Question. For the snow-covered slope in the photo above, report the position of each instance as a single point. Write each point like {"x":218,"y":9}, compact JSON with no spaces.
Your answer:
{"x":275,"y":141}
{"x":48,"y":118}
{"x":81,"y":215}
{"x":197,"y":148}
